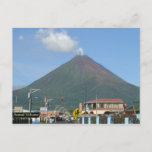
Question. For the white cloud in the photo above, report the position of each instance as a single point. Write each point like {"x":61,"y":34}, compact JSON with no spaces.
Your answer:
{"x":20,"y":37}
{"x":58,"y":41}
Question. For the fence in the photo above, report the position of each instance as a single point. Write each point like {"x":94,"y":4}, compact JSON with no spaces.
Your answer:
{"x":109,"y":119}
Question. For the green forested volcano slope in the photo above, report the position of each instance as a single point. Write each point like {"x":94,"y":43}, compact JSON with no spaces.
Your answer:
{"x":70,"y":80}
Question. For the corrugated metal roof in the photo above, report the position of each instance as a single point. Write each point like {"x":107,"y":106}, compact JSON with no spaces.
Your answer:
{"x":106,"y":100}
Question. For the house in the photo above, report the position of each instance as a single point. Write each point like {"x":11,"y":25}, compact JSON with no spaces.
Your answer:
{"x":104,"y":105}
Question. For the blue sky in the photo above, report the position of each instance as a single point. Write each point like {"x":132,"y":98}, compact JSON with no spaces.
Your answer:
{"x":38,"y":51}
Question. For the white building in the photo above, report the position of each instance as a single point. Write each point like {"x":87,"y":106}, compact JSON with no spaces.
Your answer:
{"x":103,"y":105}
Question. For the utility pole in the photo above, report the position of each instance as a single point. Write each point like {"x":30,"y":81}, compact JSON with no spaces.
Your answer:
{"x":96,"y":105}
{"x":85,"y":96}
{"x":47,"y":111}
{"x":47,"y":106}
{"x":30,"y":104}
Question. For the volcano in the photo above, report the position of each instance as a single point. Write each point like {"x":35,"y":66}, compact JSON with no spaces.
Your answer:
{"x":70,"y":81}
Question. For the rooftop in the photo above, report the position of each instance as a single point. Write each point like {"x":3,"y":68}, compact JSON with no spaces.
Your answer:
{"x":106,"y":100}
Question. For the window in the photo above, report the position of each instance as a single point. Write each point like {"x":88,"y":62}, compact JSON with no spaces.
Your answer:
{"x":94,"y":106}
{"x":107,"y":105}
{"x":116,"y":106}
{"x":101,"y":105}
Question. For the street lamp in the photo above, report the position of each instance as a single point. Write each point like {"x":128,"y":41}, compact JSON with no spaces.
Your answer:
{"x":57,"y":107}
{"x":47,"y":105}
{"x":30,"y":99}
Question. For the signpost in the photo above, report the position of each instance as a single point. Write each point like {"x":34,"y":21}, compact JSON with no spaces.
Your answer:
{"x":43,"y":109}
{"x":76,"y":113}
{"x":18,"y":109}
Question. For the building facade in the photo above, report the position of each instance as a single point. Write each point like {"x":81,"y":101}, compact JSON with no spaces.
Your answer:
{"x":101,"y":106}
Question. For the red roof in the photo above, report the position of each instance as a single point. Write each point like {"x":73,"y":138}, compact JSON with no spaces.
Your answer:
{"x":106,"y":100}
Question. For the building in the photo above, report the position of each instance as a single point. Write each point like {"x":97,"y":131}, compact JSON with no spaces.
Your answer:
{"x":104,"y":105}
{"x":50,"y":114}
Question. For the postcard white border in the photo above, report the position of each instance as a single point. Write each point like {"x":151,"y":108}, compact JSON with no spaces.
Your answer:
{"x":75,"y":13}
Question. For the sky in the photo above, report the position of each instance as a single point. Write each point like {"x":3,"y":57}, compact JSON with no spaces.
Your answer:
{"x":38,"y":51}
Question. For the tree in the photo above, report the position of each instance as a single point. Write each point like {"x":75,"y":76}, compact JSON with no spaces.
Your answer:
{"x":137,"y":104}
